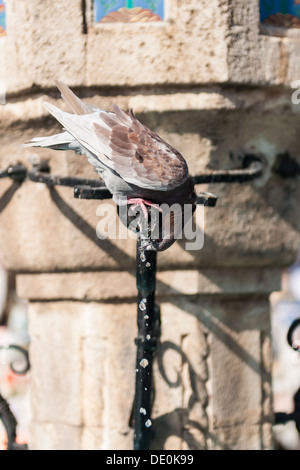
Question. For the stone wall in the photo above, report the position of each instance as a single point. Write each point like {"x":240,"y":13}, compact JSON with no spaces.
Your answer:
{"x":206,"y":42}
{"x":189,"y":80}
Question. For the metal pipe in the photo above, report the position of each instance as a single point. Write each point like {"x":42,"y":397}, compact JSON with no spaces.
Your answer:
{"x":70,"y":181}
{"x":148,"y":322}
{"x":89,"y":192}
{"x":254,"y":170}
{"x":16,"y":172}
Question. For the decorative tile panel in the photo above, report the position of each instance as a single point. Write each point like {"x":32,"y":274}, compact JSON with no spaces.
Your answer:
{"x":280,"y":13}
{"x":128,"y":11}
{"x":2,"y":19}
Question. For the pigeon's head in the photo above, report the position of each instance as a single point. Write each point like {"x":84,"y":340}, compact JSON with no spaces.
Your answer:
{"x":164,"y":227}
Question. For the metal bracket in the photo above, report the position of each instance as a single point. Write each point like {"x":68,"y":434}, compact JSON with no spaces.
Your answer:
{"x":85,"y":188}
{"x":286,"y":166}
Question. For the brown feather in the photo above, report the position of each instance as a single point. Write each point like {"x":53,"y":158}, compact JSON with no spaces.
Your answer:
{"x":137,"y":152}
{"x":121,"y":115}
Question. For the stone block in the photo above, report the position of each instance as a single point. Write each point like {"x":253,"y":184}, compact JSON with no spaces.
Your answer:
{"x":160,"y":47}
{"x":56,"y":436}
{"x":122,"y":284}
{"x":209,"y":348}
{"x":192,"y":46}
{"x":43,"y":42}
{"x":224,"y":47}
{"x":255,"y":54}
{"x":236,"y":349}
{"x":58,"y":34}
{"x":95,"y":345}
{"x":259,"y":227}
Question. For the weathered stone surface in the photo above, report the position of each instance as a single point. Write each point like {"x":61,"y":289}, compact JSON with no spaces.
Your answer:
{"x":259,"y":227}
{"x":236,"y":364}
{"x":146,"y":54}
{"x":193,"y":46}
{"x":100,"y":345}
{"x":161,"y":48}
{"x":96,"y":342}
{"x":54,"y":436}
{"x":50,"y":235}
{"x":95,"y":347}
{"x":102,"y":285}
{"x":43,"y":42}
{"x":258,"y":58}
{"x":179,"y":413}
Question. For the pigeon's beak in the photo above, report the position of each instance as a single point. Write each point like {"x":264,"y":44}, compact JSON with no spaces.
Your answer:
{"x":172,"y":228}
{"x":162,"y":234}
{"x":160,"y":245}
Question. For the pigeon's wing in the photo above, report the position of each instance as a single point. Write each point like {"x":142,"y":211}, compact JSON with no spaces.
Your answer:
{"x":59,"y":141}
{"x":80,"y":127}
{"x":150,"y":161}
{"x":64,"y":141}
{"x":139,"y":155}
{"x":129,"y":148}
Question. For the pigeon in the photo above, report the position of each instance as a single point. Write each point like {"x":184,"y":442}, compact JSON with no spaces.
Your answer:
{"x":138,"y":167}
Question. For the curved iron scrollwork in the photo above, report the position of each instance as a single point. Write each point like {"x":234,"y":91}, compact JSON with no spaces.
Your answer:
{"x":292,"y":329}
{"x":24,"y":352}
{"x":6,"y":415}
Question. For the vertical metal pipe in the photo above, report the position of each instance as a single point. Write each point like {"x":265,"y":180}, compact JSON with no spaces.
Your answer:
{"x":148,"y":322}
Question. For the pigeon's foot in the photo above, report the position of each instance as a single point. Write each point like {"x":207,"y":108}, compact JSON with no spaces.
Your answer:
{"x":143,"y":203}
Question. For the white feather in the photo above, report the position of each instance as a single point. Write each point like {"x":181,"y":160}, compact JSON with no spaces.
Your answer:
{"x":81,"y":128}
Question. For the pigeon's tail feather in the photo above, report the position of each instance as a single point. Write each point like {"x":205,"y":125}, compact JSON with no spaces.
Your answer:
{"x":66,"y":140}
{"x":62,"y":141}
{"x":79,"y":127}
{"x":77,"y":105}
{"x":57,"y":113}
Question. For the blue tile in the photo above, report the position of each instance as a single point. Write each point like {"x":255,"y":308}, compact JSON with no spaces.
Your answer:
{"x":271,"y":7}
{"x":2,"y":18}
{"x":103,"y":7}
